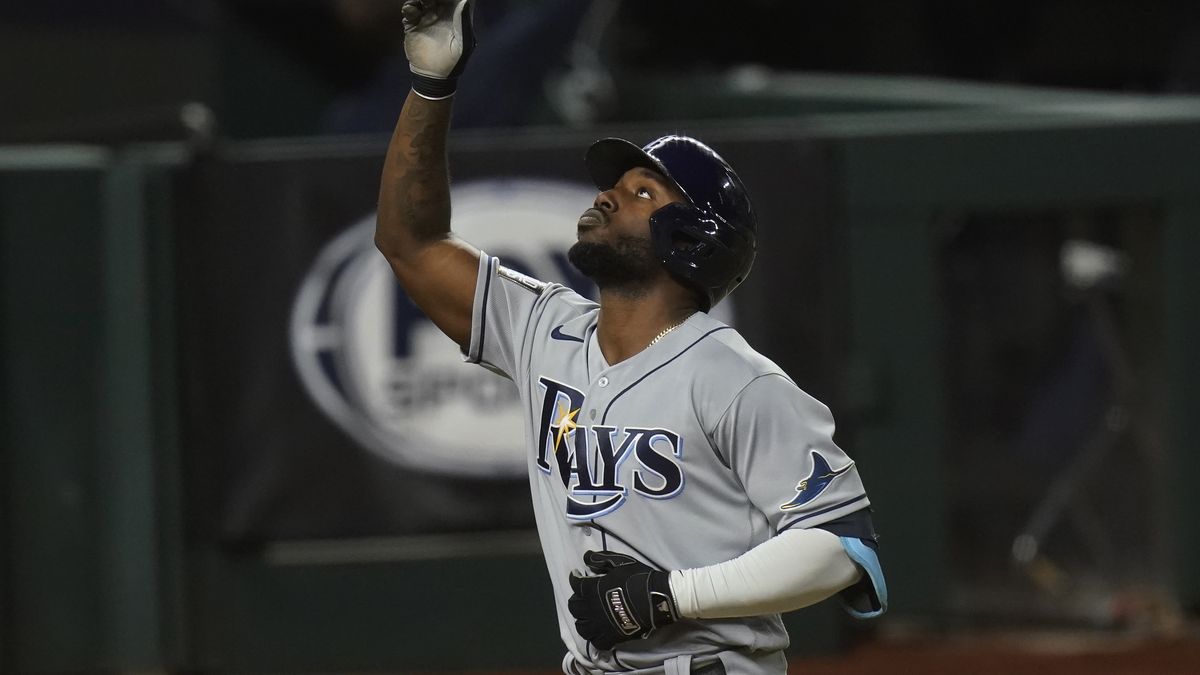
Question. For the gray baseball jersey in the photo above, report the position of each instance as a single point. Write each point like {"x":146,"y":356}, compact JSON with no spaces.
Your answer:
{"x":686,"y":454}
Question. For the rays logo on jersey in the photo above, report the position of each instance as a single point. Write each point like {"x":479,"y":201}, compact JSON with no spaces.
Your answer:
{"x":589,"y":458}
{"x":819,"y":479}
{"x":380,"y":369}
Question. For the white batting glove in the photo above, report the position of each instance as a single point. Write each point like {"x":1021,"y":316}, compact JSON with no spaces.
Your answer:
{"x":438,"y":39}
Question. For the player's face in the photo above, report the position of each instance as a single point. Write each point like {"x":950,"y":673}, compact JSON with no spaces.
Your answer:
{"x":625,"y":209}
{"x":614,"y":247}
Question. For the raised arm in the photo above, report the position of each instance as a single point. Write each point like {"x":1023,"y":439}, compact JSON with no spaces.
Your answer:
{"x":437,"y":270}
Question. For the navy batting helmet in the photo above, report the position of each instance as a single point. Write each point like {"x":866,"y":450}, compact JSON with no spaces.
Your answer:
{"x":708,"y":242}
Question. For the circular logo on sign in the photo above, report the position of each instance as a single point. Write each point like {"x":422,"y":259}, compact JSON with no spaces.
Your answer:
{"x":380,"y":369}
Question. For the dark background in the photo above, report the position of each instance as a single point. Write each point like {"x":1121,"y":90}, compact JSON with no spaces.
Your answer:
{"x":75,"y":69}
{"x":912,"y":279}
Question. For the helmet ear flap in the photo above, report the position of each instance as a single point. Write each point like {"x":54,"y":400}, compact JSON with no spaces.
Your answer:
{"x":675,"y":233}
{"x":671,"y":229}
{"x":702,"y":249}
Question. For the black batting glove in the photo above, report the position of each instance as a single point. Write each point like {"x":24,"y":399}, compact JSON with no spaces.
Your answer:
{"x":438,"y":40}
{"x":628,"y":600}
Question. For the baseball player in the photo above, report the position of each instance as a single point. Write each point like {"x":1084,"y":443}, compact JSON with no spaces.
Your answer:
{"x":686,"y":491}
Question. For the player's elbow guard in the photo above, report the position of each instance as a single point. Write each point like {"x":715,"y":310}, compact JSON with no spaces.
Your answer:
{"x":866,"y":598}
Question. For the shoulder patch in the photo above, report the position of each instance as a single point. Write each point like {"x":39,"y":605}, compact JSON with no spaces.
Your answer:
{"x":525,"y":281}
{"x":820,"y":478}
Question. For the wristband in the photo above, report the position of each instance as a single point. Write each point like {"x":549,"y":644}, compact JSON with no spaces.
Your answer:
{"x":434,"y":88}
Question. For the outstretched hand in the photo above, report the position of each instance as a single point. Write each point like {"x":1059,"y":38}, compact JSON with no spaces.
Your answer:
{"x":627,"y":599}
{"x":438,"y":40}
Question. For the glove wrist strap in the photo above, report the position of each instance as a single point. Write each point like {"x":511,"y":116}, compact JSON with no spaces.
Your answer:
{"x":663,"y":609}
{"x":434,"y":88}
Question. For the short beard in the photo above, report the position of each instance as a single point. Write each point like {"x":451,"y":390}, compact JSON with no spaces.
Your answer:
{"x":626,"y":268}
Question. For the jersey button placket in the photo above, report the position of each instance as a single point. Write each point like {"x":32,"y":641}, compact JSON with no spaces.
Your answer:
{"x":596,"y":401}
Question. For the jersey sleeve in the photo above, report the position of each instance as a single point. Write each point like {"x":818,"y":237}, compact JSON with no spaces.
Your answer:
{"x":779,"y":441}
{"x":508,"y":307}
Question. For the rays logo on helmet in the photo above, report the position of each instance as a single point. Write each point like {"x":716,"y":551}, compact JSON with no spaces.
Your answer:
{"x":810,"y":488}
{"x":382,"y":371}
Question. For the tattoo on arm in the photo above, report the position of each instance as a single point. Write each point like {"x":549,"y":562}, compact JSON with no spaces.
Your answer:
{"x":414,"y":200}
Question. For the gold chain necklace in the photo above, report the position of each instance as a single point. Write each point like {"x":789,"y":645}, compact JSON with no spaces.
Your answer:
{"x":665,"y":331}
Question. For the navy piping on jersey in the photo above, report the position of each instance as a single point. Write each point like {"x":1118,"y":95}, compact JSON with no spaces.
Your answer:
{"x":717,"y":453}
{"x":604,"y":417}
{"x":827,"y":509}
{"x":487,"y":286}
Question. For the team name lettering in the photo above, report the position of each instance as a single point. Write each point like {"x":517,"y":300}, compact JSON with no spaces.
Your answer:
{"x":588,"y":459}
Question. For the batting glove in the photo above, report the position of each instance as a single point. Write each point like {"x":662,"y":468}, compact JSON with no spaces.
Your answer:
{"x":628,"y":600}
{"x":438,"y":40}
